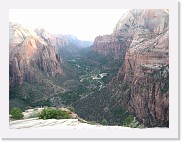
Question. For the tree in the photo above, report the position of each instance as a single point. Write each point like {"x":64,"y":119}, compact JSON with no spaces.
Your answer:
{"x":16,"y":113}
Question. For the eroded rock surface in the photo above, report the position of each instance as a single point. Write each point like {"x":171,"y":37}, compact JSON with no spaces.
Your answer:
{"x":29,"y":54}
{"x":144,"y":77}
{"x":109,"y":45}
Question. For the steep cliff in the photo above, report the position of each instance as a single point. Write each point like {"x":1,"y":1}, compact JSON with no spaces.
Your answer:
{"x":33,"y":65}
{"x":28,"y":54}
{"x":109,"y":45}
{"x":144,"y":77}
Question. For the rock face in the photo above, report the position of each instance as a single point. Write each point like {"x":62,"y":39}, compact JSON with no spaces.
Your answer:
{"x":53,"y":39}
{"x":30,"y":54}
{"x":60,"y":40}
{"x":109,"y":45}
{"x":143,"y":80}
{"x":36,"y":123}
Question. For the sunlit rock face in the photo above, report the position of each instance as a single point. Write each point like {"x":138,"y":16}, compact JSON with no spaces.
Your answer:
{"x":144,"y":77}
{"x":29,"y":54}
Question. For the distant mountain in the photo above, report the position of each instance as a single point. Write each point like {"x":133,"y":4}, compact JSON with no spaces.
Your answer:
{"x":61,"y":40}
{"x":73,"y":40}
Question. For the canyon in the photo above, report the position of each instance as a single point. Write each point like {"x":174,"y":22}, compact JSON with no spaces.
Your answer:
{"x":60,"y":70}
{"x":141,"y":39}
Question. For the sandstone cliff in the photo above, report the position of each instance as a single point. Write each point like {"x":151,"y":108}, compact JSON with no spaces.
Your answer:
{"x":143,"y":80}
{"x":29,"y":54}
{"x":109,"y":45}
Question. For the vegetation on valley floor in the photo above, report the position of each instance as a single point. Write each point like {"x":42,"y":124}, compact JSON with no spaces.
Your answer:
{"x":83,"y":82}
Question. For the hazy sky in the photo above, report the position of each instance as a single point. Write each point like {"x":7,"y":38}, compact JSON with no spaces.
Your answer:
{"x":85,"y":24}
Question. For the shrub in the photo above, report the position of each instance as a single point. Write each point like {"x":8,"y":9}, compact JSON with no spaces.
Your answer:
{"x":131,"y":121}
{"x":72,"y":109}
{"x":104,"y":122}
{"x":54,"y":114}
{"x":128,"y":120}
{"x":16,"y":113}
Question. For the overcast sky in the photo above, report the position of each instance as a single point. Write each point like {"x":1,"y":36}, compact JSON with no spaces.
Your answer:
{"x":85,"y":24}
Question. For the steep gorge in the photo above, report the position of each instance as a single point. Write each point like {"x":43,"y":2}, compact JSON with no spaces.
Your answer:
{"x":141,"y":86}
{"x":136,"y":54}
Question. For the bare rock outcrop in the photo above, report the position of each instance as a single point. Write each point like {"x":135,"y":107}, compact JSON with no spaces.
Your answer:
{"x":109,"y":45}
{"x":144,"y":77}
{"x":29,"y":54}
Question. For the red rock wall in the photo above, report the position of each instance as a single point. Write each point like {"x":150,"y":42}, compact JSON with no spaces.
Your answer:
{"x":108,"y":45}
{"x":29,"y":54}
{"x":146,"y":66}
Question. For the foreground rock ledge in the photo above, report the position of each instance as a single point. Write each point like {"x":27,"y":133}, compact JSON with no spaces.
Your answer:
{"x":56,"y":124}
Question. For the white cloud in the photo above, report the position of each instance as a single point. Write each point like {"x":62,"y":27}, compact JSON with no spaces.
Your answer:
{"x":86,"y":24}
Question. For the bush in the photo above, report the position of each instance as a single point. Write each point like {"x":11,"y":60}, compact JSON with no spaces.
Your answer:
{"x":104,"y":122}
{"x":54,"y":114}
{"x":128,"y":120}
{"x":131,"y":121}
{"x":16,"y":113}
{"x":71,"y":108}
